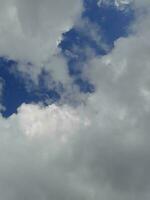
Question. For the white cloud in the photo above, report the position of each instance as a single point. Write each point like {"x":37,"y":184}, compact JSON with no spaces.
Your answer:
{"x":121,"y":4}
{"x":36,"y":156}
{"x":30,"y":30}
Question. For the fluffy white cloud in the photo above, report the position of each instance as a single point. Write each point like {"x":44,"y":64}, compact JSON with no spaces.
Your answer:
{"x":36,"y":154}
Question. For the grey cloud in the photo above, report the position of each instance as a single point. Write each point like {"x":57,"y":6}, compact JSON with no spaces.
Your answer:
{"x":98,"y":150}
{"x":31,"y":30}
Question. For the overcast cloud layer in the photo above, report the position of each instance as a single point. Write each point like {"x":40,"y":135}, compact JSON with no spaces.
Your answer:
{"x":99,"y":150}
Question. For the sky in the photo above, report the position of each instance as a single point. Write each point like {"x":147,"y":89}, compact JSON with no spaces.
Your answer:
{"x":74,"y":99}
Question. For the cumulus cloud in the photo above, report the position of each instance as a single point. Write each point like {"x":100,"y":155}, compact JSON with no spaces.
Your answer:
{"x":123,"y":110}
{"x":31,"y":30}
{"x":36,"y":156}
{"x":98,"y":150}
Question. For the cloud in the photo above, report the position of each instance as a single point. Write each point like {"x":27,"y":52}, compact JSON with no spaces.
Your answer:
{"x":31,"y":30}
{"x":121,"y":4}
{"x":121,"y":104}
{"x":97,"y":150}
{"x":139,"y":3}
{"x":2,"y":83}
{"x":36,"y":157}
